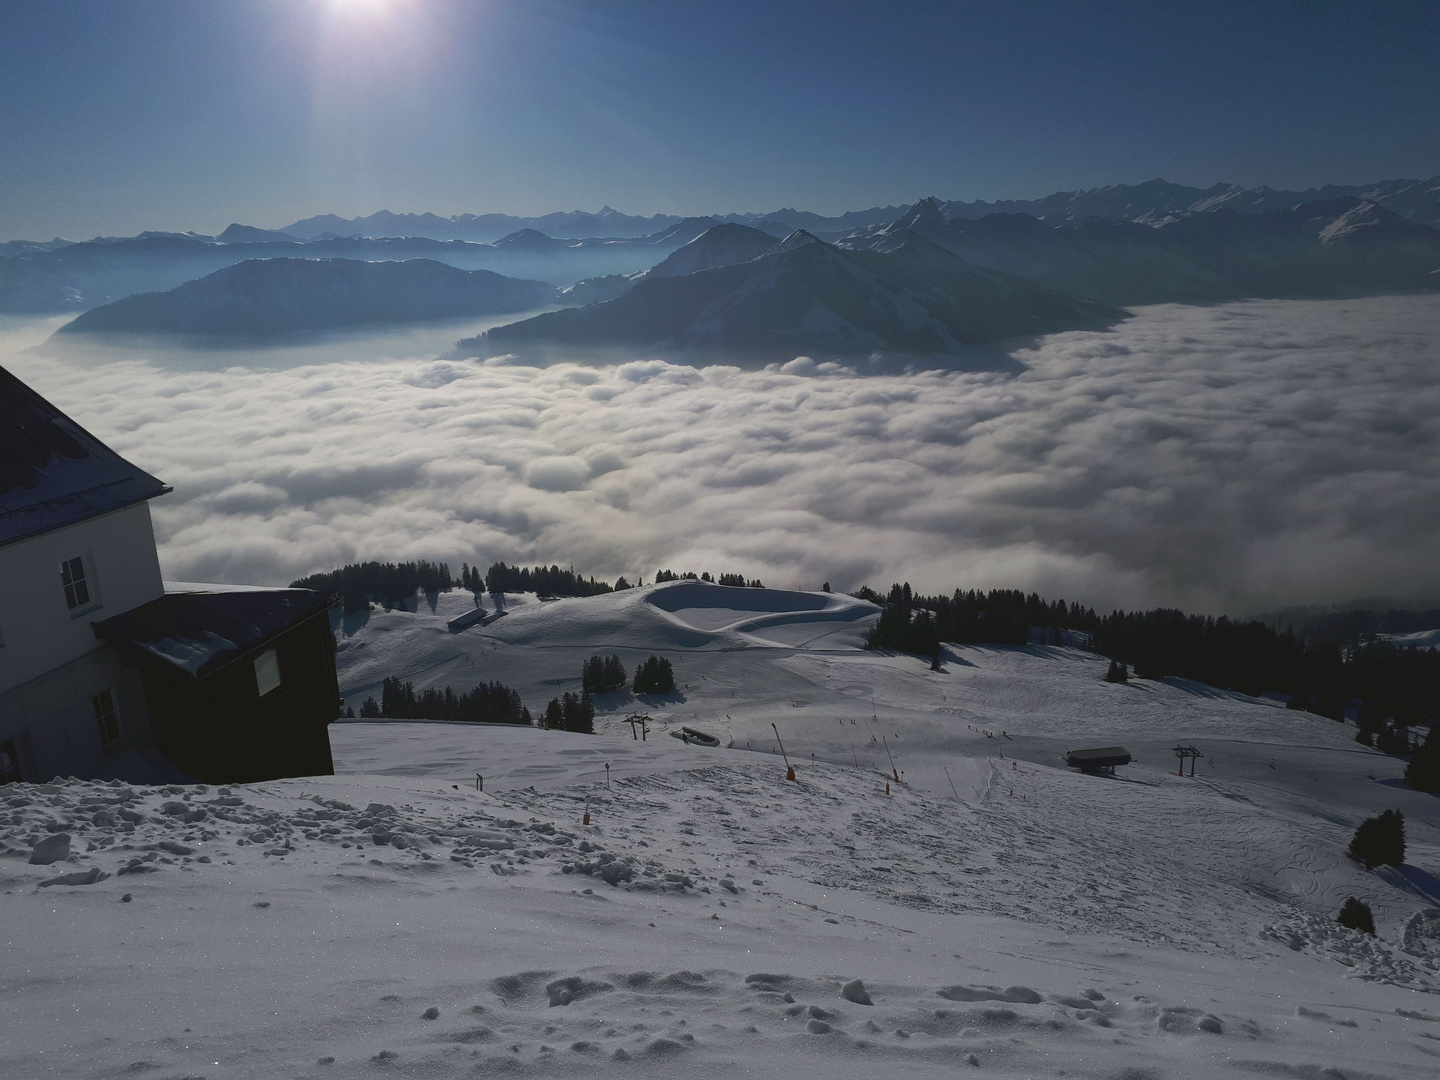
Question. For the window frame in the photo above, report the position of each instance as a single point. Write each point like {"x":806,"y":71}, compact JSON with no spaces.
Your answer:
{"x":107,"y":717}
{"x":14,"y":774}
{"x":273,"y":656}
{"x":86,"y":582}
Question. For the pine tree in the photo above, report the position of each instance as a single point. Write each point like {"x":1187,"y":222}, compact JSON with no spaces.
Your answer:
{"x":1380,"y":841}
{"x":654,"y":676}
{"x":1423,"y":772}
{"x":602,"y":674}
{"x":1356,"y":915}
{"x":554,"y":718}
{"x":1116,"y":673}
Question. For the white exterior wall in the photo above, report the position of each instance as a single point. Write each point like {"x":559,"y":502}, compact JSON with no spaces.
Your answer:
{"x":39,"y":632}
{"x":52,"y":718}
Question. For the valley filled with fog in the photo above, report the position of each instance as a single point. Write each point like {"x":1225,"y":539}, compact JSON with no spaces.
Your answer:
{"x":1218,"y":458}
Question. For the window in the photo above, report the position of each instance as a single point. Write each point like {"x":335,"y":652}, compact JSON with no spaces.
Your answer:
{"x":267,"y":671}
{"x":72,"y":576}
{"x":106,"y":716}
{"x":9,"y":763}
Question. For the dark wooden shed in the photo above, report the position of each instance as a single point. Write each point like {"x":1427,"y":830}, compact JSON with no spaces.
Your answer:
{"x":240,"y":686}
{"x":1102,"y":757}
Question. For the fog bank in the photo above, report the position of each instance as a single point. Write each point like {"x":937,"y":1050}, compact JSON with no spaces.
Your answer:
{"x":1225,"y":458}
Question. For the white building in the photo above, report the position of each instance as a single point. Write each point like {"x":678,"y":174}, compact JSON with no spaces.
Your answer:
{"x":76,"y":545}
{"x":242,"y":685}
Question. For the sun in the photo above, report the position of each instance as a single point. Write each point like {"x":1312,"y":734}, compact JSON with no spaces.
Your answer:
{"x":360,"y":11}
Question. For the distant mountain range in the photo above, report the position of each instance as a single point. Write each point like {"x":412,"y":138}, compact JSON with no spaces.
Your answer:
{"x":73,"y":277}
{"x":930,"y":277}
{"x":928,"y":283}
{"x":1415,"y":200}
{"x":1337,"y":247}
{"x":482,"y":228}
{"x":268,"y":298}
{"x":804,"y":295}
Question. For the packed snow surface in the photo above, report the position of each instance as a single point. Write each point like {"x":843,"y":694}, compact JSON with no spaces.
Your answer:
{"x":441,"y":908}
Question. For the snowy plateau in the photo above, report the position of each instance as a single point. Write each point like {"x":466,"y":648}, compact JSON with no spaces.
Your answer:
{"x":991,"y":912}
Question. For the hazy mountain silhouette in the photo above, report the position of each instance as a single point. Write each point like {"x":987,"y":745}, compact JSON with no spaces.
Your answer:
{"x":1124,"y":244}
{"x":1415,"y":200}
{"x":807,"y":295}
{"x":1339,"y":247}
{"x":248,"y":234}
{"x":483,"y":228}
{"x":265,"y":298}
{"x":38,"y":278}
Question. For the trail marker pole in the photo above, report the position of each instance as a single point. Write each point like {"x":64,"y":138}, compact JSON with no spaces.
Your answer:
{"x":952,"y":782}
{"x":586,"y":819}
{"x":789,"y":769}
{"x":607,"y":776}
{"x":893,"y":771}
{"x":479,"y":782}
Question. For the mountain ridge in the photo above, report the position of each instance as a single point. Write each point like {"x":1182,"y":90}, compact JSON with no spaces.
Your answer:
{"x":1414,"y":199}
{"x":802,"y":295}
{"x":268,"y":298}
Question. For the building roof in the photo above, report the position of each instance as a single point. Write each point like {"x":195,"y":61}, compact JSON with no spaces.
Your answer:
{"x":197,"y":633}
{"x":53,"y":472}
{"x":1098,"y":757}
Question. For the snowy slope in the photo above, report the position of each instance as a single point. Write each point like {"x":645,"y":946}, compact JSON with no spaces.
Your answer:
{"x":1029,"y":921}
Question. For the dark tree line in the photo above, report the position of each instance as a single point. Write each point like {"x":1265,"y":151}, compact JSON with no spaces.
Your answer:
{"x":654,"y":676}
{"x":1343,"y":628}
{"x":1423,"y":771}
{"x":391,"y":584}
{"x":1398,"y":688}
{"x":547,"y":581}
{"x":570,"y":712}
{"x":491,"y":701}
{"x":912,"y":623}
{"x":602,"y":674}
{"x":735,"y":580}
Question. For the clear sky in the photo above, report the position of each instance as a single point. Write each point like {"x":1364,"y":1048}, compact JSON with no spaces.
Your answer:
{"x":122,"y":115}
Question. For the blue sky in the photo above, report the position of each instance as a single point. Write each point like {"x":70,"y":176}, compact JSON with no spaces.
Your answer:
{"x":190,"y":114}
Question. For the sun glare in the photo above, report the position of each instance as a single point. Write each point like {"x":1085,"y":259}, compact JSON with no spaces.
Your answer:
{"x":360,"y":8}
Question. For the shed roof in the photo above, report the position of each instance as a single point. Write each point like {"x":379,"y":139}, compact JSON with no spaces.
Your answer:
{"x":53,"y":472}
{"x":1101,"y":751}
{"x":197,"y":633}
{"x":1100,"y":756}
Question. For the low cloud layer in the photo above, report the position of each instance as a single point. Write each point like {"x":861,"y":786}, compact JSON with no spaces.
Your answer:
{"x":1225,"y":458}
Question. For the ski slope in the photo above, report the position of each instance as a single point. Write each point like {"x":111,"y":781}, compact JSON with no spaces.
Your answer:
{"x":1003,"y":913}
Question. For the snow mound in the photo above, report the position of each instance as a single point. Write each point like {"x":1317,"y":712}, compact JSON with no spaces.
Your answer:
{"x":765,"y":616}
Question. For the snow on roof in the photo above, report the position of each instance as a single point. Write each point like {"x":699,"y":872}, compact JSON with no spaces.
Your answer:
{"x":199,"y":632}
{"x":53,"y":472}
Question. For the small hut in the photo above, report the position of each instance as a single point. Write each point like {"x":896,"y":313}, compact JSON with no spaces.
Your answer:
{"x":1098,"y":759}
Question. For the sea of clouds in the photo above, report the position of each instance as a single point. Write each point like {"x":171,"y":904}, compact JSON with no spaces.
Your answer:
{"x":1225,"y":458}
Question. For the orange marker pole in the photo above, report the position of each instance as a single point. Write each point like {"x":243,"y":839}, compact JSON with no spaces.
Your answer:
{"x":789,"y":769}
